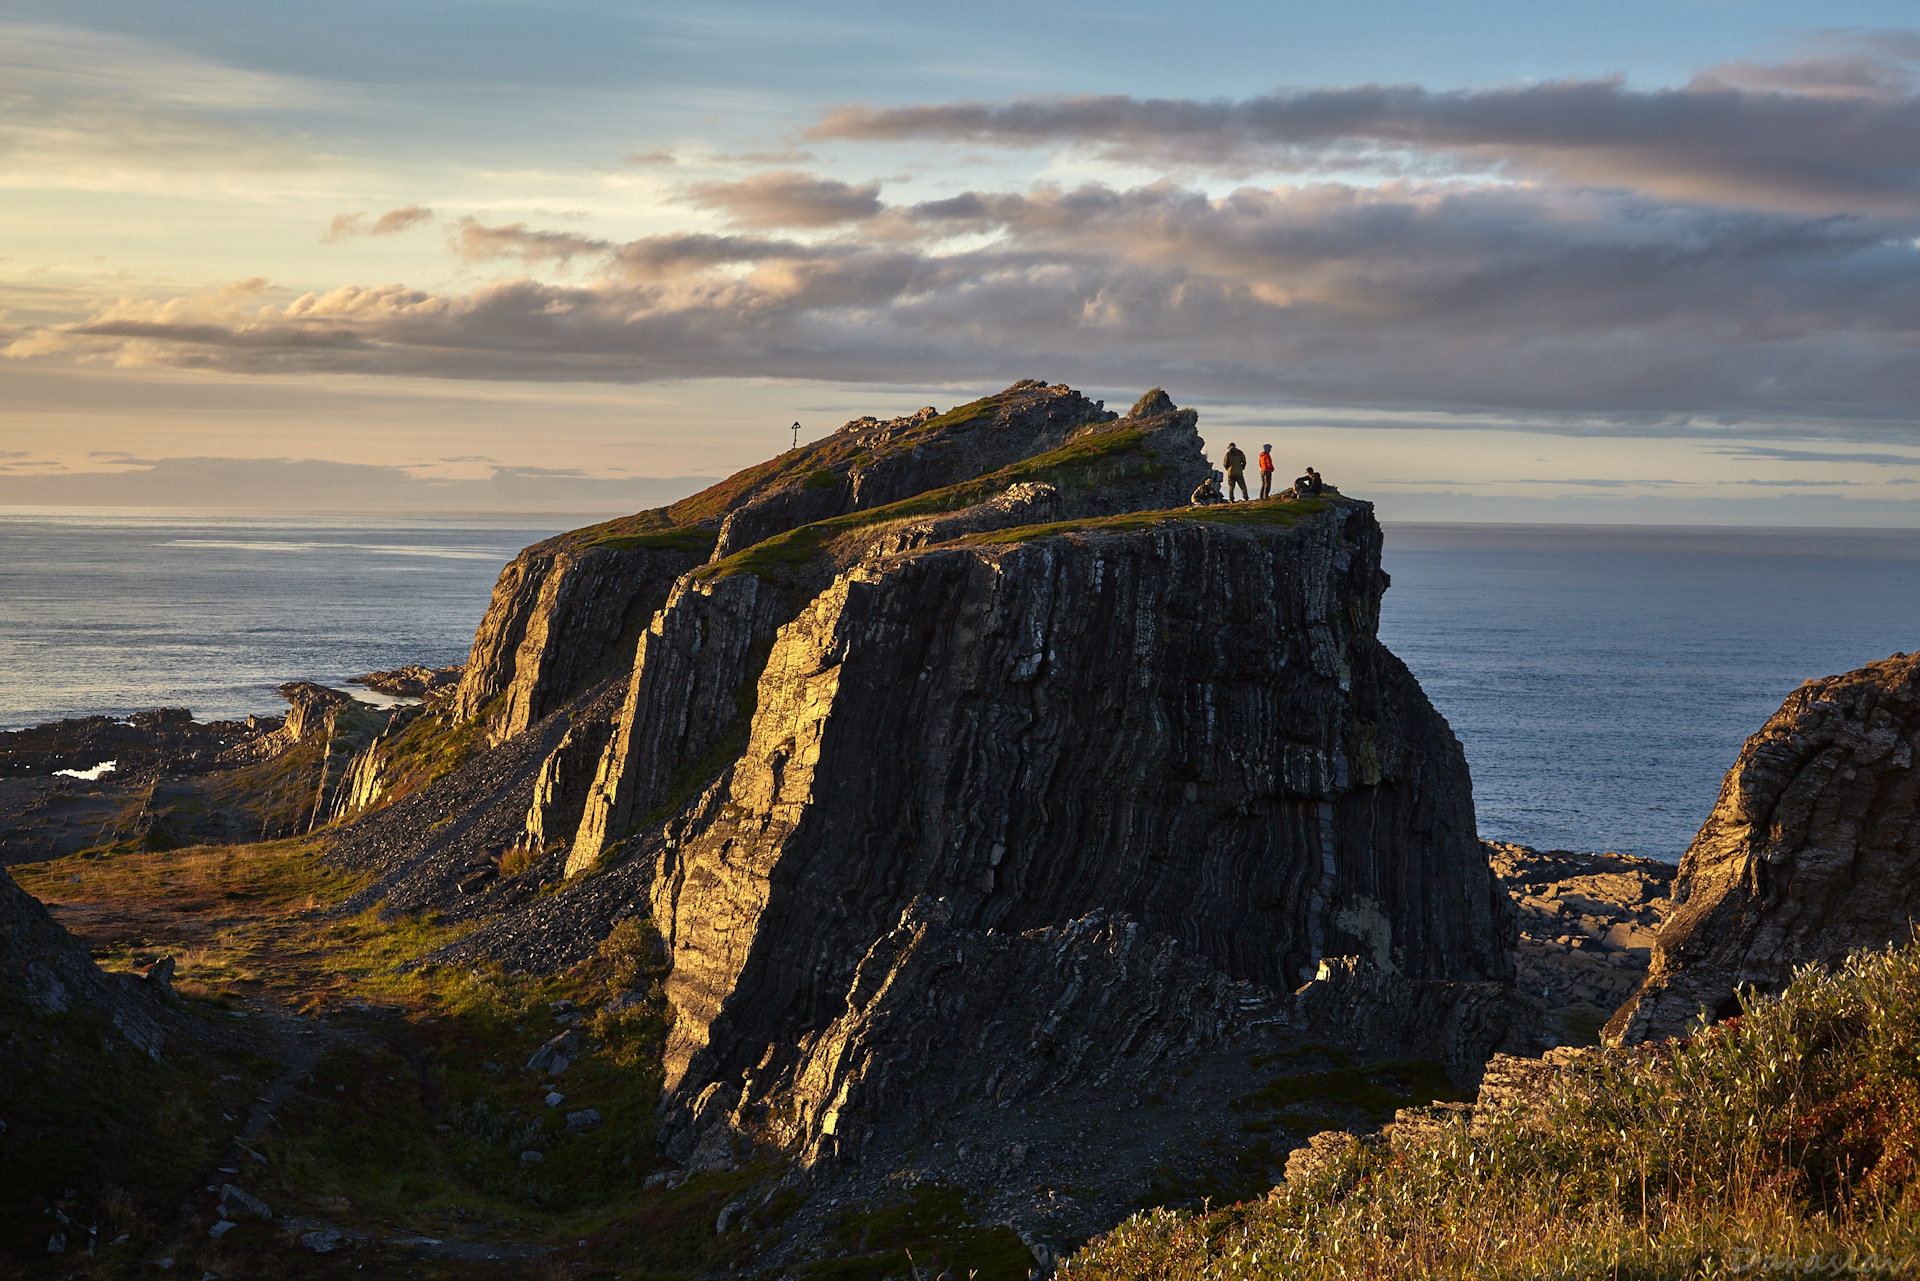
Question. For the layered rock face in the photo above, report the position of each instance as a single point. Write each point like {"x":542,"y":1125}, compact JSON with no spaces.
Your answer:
{"x":1095,"y":1003}
{"x":696,"y":666}
{"x":1190,"y":723}
{"x":1813,"y":850}
{"x":1004,"y":809}
{"x":561,"y":614}
{"x":567,"y":610}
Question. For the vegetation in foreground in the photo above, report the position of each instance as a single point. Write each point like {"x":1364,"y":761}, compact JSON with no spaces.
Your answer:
{"x":410,"y":1115}
{"x":1781,"y":1143}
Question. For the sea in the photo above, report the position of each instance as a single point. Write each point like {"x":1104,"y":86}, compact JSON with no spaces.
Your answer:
{"x":1600,"y":678}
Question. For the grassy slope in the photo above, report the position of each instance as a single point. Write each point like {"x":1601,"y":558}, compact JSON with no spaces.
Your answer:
{"x":423,"y":1135}
{"x":1787,"y":1141}
{"x":815,"y":466}
{"x":1099,"y":458}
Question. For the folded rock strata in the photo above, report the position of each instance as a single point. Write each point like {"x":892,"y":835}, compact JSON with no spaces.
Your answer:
{"x":1813,"y":850}
{"x":1001,"y":776}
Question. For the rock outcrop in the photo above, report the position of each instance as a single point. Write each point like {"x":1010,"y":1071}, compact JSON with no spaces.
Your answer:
{"x":1587,"y":928}
{"x":412,"y":681}
{"x":50,"y":969}
{"x":568,"y":610}
{"x":1095,"y":1003}
{"x":563,"y":613}
{"x":1032,"y":794}
{"x":1813,"y":850}
{"x":1190,"y":723}
{"x":695,"y":669}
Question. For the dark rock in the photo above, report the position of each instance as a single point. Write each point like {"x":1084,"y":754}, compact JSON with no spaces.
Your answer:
{"x":159,"y":975}
{"x":1812,"y":851}
{"x":584,"y":1119}
{"x":411,"y":681}
{"x":237,"y":1201}
{"x":1271,"y":786}
{"x":51,"y":969}
{"x":563,"y":613}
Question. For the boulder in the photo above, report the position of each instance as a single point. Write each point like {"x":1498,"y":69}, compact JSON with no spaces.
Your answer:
{"x":236,"y":1201}
{"x":1812,"y":851}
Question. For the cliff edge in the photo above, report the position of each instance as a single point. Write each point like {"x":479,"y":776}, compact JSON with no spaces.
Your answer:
{"x":1813,"y":850}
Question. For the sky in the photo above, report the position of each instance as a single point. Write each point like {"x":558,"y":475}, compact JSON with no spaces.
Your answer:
{"x":1652,"y":262}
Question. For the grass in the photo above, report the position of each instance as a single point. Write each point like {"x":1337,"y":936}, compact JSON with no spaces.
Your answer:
{"x":429,"y":749}
{"x":96,"y":1130}
{"x":412,"y":1122}
{"x":1099,"y":458}
{"x":935,"y":1229}
{"x":1317,"y":1088}
{"x":1268,"y":513}
{"x":817,"y":467}
{"x":1786,"y":1141}
{"x":695,"y":541}
{"x":679,"y":527}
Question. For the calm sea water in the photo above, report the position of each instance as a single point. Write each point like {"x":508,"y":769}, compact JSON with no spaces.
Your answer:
{"x":112,"y":612}
{"x":1601,"y":678}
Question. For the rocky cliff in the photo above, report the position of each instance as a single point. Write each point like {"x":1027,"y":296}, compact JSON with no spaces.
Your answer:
{"x":696,"y":668}
{"x":1189,"y":722}
{"x":567,"y":610}
{"x":981,"y":769}
{"x":1812,"y":850}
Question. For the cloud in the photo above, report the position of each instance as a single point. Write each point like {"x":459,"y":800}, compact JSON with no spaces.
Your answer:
{"x":475,"y":243}
{"x":787,"y":198}
{"x":1460,"y":298}
{"x":93,"y":111}
{"x":311,"y":484}
{"x":389,"y":223}
{"x":1820,"y":133}
{"x":1795,"y":484}
{"x":1819,"y":456}
{"x":659,"y":157}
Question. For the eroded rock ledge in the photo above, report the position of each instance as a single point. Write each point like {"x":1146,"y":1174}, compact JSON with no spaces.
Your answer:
{"x":1812,"y":851}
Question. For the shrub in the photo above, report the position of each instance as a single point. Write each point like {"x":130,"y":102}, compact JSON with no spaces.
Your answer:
{"x":1785,"y":1141}
{"x":632,"y":951}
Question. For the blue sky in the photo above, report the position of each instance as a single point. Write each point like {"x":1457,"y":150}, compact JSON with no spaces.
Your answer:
{"x":1498,"y":261}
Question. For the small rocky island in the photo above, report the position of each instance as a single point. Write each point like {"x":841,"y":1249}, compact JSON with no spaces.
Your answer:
{"x":927,"y":847}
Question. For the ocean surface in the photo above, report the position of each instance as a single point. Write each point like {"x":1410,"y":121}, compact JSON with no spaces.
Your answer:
{"x":1601,"y":679}
{"x":113,"y":612}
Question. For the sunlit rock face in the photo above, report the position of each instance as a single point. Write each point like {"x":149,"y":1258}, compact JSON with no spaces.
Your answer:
{"x":1813,"y":850}
{"x":1189,"y":723}
{"x":1039,"y":756}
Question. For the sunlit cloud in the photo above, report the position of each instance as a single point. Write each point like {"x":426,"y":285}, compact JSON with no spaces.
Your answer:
{"x":1836,"y":130}
{"x":390,"y":223}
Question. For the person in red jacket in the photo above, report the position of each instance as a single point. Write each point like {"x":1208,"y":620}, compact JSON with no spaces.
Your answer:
{"x":1266,"y":471}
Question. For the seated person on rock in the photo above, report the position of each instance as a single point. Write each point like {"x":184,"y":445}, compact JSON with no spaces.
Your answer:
{"x":1206,"y":493}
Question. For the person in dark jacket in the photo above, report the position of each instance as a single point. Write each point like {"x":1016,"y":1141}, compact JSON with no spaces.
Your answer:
{"x":1207,"y":492}
{"x":1236,"y":464}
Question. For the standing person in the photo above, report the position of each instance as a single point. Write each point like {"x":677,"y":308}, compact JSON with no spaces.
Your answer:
{"x":1266,"y":471}
{"x":1236,"y":464}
